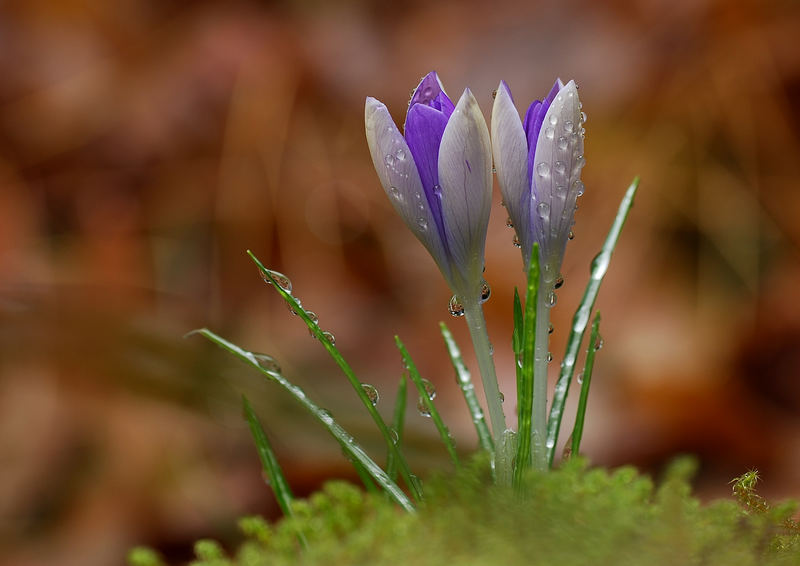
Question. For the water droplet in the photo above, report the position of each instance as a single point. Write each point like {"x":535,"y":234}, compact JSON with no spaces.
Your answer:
{"x":428,"y":92}
{"x":371,"y":392}
{"x":422,"y":223}
{"x":455,"y":307}
{"x":578,"y":187}
{"x":568,"y":126}
{"x":491,"y":349}
{"x":329,"y":337}
{"x":583,"y":117}
{"x":313,"y":316}
{"x":509,"y":222}
{"x":553,"y":120}
{"x":394,"y":192}
{"x":502,"y":397}
{"x":267,"y":362}
{"x":494,"y":94}
{"x":516,"y":242}
{"x":571,"y":235}
{"x":486,"y":292}
{"x":559,"y":167}
{"x":599,"y":343}
{"x":422,"y":408}
{"x":543,"y":169}
{"x":551,"y":299}
{"x":559,"y":282}
{"x":561,"y":191}
{"x":437,"y":190}
{"x":549,"y":357}
{"x":550,"y":328}
{"x":389,"y":159}
{"x":400,"y":154}
{"x":291,"y":308}
{"x":580,"y":162}
{"x":562,"y":142}
{"x":394,"y":436}
{"x":549,"y":133}
{"x":282,"y":281}
{"x":543,"y":209}
{"x":580,"y":378}
{"x":430,"y":392}
{"x":494,"y":170}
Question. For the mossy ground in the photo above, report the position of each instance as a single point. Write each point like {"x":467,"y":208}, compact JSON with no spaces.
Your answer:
{"x":571,"y":516}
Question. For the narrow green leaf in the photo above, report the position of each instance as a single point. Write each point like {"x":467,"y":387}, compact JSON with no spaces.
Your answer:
{"x":277,"y":480}
{"x":581,"y":319}
{"x":525,"y":386}
{"x":516,"y":337}
{"x":345,"y":439}
{"x":577,"y":432}
{"x":428,"y":402}
{"x":402,"y":464}
{"x":464,"y":380}
{"x":398,"y":423}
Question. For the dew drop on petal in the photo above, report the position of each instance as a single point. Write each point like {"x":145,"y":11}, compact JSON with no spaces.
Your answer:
{"x":455,"y":307}
{"x":553,"y":120}
{"x":549,"y":132}
{"x":502,"y":397}
{"x":568,"y":126}
{"x":389,"y":159}
{"x":267,"y":362}
{"x":516,"y":242}
{"x":371,"y":392}
{"x":486,"y":292}
{"x":422,"y":223}
{"x":550,"y":328}
{"x":549,"y":357}
{"x":509,"y":222}
{"x":400,"y":154}
{"x":578,"y":187}
{"x":580,"y":161}
{"x":562,"y":142}
{"x":543,"y":169}
{"x":559,"y":167}
{"x":543,"y":209}
{"x":571,"y":235}
{"x":561,"y":191}
{"x":559,"y":282}
{"x":282,"y":281}
{"x":551,"y":299}
{"x":583,"y":117}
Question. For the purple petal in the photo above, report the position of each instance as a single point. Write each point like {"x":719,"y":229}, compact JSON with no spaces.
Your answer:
{"x":534,"y":118}
{"x":430,"y":93}
{"x":398,"y":174}
{"x":465,"y":173}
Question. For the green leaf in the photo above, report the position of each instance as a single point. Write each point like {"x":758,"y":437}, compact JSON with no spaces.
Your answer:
{"x":315,"y":330}
{"x":577,"y":431}
{"x":464,"y":380}
{"x":525,"y":384}
{"x":428,"y":402}
{"x":353,"y":450}
{"x":581,"y":319}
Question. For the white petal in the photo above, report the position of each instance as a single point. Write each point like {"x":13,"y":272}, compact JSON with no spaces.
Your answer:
{"x":465,"y":175}
{"x":510,"y":148}
{"x":400,"y":179}
{"x":557,"y":170}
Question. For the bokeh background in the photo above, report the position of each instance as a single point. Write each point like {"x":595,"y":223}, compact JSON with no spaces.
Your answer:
{"x":145,"y":145}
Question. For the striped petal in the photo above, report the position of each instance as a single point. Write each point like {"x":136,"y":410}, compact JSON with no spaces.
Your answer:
{"x":556,"y":174}
{"x":465,"y":175}
{"x":510,"y":149}
{"x":401,"y":180}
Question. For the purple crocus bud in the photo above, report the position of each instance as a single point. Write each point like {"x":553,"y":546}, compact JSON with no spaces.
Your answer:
{"x":539,"y":161}
{"x":438,"y":177}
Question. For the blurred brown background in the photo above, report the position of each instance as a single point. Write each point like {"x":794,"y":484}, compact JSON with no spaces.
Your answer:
{"x":145,"y":145}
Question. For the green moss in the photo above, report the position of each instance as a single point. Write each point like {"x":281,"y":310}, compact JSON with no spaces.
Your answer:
{"x":571,"y":516}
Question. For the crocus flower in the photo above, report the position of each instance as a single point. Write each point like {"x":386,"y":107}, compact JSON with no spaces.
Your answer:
{"x":539,"y":162}
{"x":438,"y":177}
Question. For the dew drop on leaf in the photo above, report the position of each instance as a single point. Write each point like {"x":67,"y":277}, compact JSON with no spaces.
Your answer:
{"x":372,"y":393}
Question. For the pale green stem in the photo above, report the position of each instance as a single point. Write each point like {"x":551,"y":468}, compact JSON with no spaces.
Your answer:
{"x":541,"y":351}
{"x":476,"y":323}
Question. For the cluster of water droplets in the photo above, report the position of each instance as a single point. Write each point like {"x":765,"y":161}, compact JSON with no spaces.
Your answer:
{"x":286,"y":285}
{"x":430,"y":392}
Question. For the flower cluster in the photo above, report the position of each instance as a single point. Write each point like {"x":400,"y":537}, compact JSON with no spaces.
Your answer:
{"x":438,"y":174}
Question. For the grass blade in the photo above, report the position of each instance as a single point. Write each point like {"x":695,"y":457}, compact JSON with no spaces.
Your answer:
{"x":277,"y":480}
{"x":428,"y":402}
{"x":468,"y":390}
{"x":402,"y":464}
{"x":345,"y":439}
{"x":525,"y":381}
{"x":577,"y":432}
{"x":398,"y":423}
{"x":581,"y":319}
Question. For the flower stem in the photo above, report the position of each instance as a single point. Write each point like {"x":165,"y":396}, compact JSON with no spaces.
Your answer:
{"x":539,"y":428}
{"x":480,"y":341}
